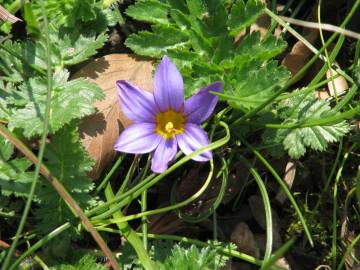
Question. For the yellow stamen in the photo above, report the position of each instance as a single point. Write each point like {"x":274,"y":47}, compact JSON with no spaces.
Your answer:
{"x":169,"y":123}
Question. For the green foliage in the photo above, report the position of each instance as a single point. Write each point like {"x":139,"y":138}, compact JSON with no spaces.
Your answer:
{"x":23,"y":92}
{"x":157,"y":43}
{"x":69,"y":162}
{"x":253,"y":48}
{"x":193,"y":258}
{"x":301,"y":109}
{"x":243,"y":15}
{"x":87,"y":262}
{"x":198,"y":37}
{"x":252,"y":83}
{"x":67,"y":48}
{"x":14,"y":178}
{"x":181,"y":256}
{"x":69,"y":12}
{"x":70,"y":100}
{"x":149,"y":11}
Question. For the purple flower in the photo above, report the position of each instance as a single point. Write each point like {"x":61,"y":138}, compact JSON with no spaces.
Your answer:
{"x":162,"y":121}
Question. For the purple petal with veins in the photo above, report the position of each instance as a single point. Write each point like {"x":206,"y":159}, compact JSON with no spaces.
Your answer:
{"x":168,"y":86}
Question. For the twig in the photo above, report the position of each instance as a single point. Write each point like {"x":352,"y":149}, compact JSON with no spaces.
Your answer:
{"x":324,"y":26}
{"x":7,"y":16}
{"x":63,"y":193}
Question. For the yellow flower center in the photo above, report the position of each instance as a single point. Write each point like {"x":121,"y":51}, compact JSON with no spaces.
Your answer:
{"x":169,"y":123}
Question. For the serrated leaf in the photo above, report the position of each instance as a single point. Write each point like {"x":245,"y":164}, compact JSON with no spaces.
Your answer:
{"x":194,"y":258}
{"x":30,"y":53}
{"x":157,"y":43}
{"x":252,"y":83}
{"x":14,"y":180}
{"x":69,"y":162}
{"x":182,"y":21}
{"x":70,"y":100}
{"x":200,"y":44}
{"x":243,"y":15}
{"x":151,"y":11}
{"x":303,"y":108}
{"x":87,"y":262}
{"x":80,"y":49}
{"x":196,"y":8}
{"x":253,"y":48}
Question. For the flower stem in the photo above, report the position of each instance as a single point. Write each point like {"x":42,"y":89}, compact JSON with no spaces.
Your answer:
{"x":131,"y":235}
{"x":148,"y":182}
{"x":42,"y":144}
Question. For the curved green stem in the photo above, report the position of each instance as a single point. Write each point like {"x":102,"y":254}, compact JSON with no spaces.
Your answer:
{"x":144,"y":221}
{"x":347,"y":252}
{"x":298,"y":74}
{"x":267,"y":207}
{"x":284,"y":187}
{"x":136,"y":191}
{"x":215,"y":205}
{"x":334,"y":216}
{"x":131,"y":235}
{"x":40,"y":243}
{"x":168,"y":208}
{"x":325,"y":121}
{"x":42,"y":143}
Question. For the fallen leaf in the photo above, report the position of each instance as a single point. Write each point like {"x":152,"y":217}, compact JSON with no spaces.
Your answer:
{"x":300,"y":53}
{"x":244,"y":239}
{"x":322,"y":94}
{"x":258,"y":211}
{"x":100,"y":130}
{"x":282,"y":262}
{"x":339,"y":83}
{"x":289,"y":176}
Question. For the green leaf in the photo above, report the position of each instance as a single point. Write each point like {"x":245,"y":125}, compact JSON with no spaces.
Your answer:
{"x":87,"y":262}
{"x":193,"y":258}
{"x":152,"y":11}
{"x":68,"y":48}
{"x":14,"y":178}
{"x":157,"y":43}
{"x":300,"y":109}
{"x":70,"y":100}
{"x":79,"y":48}
{"x":252,"y":48}
{"x":243,"y":15}
{"x":252,"y":83}
{"x":197,"y":8}
{"x":32,"y":25}
{"x":69,"y":162}
{"x":31,"y":53}
{"x":181,"y":20}
{"x":200,"y":44}
{"x":69,"y":13}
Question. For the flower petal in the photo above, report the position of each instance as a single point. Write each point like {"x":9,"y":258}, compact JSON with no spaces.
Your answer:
{"x":164,"y":153}
{"x":201,"y":105}
{"x":192,"y":139}
{"x":138,"y":139}
{"x":138,"y":105}
{"x":168,"y":86}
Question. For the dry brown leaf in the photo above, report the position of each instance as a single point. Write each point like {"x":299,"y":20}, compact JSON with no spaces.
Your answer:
{"x":258,"y":211}
{"x":289,"y":176}
{"x":100,"y":130}
{"x":282,"y":262}
{"x":300,"y":53}
{"x":339,"y":82}
{"x":322,"y":94}
{"x":244,"y":239}
{"x":262,"y":25}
